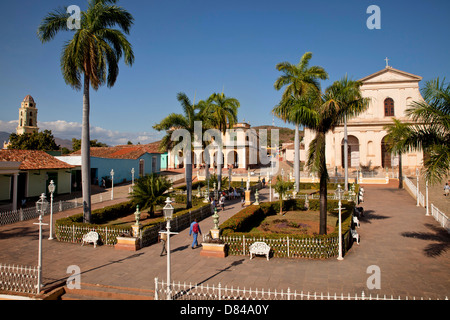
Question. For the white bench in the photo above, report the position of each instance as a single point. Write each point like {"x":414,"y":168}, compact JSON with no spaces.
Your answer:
{"x":259,"y":248}
{"x":90,"y":237}
{"x":355,"y":235}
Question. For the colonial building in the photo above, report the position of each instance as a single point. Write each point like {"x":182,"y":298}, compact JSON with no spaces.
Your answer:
{"x":27,"y":174}
{"x":390,"y":91}
{"x":240,"y":150}
{"x":27,"y":116}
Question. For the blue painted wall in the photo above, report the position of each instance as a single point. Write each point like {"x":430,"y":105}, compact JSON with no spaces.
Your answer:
{"x":122,"y":167}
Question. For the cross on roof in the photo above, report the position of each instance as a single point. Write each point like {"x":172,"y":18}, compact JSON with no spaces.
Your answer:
{"x":387,"y":62}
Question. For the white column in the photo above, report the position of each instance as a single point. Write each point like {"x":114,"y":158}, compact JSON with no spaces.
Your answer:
{"x":15,"y":181}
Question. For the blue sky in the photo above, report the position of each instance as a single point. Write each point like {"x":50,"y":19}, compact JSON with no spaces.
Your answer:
{"x":201,"y":47}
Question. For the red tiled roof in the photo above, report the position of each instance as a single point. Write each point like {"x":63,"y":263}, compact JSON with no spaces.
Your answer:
{"x":33,"y":159}
{"x":123,"y":152}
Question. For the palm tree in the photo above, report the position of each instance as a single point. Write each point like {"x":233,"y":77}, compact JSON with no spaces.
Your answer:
{"x":397,"y":134}
{"x":93,"y":54}
{"x":299,"y":80}
{"x":322,"y":113}
{"x":282,"y":187}
{"x":149,"y":191}
{"x":221,"y":112}
{"x":347,"y":94}
{"x":186,"y":121}
{"x":432,"y":131}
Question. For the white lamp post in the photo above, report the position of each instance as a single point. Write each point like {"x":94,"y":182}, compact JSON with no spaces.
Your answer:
{"x":168,"y":214}
{"x":132,"y":177}
{"x":339,"y":192}
{"x":417,"y":175}
{"x":41,"y":207}
{"x":112,"y":184}
{"x":51,"y":189}
{"x":426,"y":195}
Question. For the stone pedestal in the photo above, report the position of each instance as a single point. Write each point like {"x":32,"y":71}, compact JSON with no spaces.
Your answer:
{"x":215,"y":233}
{"x":248,"y":201}
{"x":127,"y":243}
{"x":213,"y":250}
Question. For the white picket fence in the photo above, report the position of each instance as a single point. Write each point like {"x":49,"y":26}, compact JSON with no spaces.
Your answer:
{"x":13,"y":216}
{"x":438,"y":215}
{"x":18,"y":278}
{"x":190,"y":291}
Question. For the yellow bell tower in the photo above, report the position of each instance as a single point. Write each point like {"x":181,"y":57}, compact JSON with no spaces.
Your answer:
{"x":27,"y":116}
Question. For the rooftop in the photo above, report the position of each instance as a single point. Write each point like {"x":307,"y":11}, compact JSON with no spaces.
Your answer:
{"x":33,"y":159}
{"x":122,"y":152}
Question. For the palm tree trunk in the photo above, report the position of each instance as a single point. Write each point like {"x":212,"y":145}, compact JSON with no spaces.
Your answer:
{"x":323,"y":204}
{"x":85,"y":155}
{"x":400,"y":171}
{"x":188,"y":177}
{"x":297,"y":159}
{"x":323,"y":189}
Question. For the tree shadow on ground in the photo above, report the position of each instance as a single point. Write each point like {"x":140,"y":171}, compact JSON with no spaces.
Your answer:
{"x":440,"y":237}
{"x":370,"y":215}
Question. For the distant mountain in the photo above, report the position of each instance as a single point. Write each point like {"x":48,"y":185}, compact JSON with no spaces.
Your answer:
{"x":4,"y":137}
{"x":286,"y":135}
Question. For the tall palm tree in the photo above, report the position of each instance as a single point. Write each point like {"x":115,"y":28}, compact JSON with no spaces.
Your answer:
{"x":91,"y":56}
{"x":322,"y":113}
{"x":298,"y":80}
{"x":185,"y":121}
{"x":346,"y":93}
{"x":432,"y":131}
{"x":396,"y":137}
{"x":149,"y":191}
{"x":222,"y":114}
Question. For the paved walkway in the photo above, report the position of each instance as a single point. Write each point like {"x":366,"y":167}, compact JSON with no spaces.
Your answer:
{"x":410,"y":249}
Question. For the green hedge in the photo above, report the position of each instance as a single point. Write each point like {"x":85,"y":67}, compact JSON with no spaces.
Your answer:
{"x":252,"y":215}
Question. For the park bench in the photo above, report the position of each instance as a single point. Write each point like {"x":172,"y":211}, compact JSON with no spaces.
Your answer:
{"x":355,"y":235}
{"x":259,"y":248}
{"x":90,"y":237}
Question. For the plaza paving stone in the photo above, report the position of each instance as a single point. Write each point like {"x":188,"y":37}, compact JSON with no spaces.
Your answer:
{"x":410,"y":248}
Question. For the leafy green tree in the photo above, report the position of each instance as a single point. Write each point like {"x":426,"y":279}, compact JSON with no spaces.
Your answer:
{"x":298,"y":80}
{"x":91,"y":58}
{"x":148,"y":192}
{"x":42,"y":140}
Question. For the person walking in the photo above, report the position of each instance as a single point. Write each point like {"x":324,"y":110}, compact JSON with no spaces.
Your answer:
{"x":194,"y":230}
{"x":446,"y":189}
{"x":222,"y":202}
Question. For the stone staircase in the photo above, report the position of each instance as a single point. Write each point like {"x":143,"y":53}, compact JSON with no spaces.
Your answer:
{"x":103,"y":292}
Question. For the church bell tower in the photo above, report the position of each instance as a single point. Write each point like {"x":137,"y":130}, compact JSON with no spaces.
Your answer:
{"x":27,"y":116}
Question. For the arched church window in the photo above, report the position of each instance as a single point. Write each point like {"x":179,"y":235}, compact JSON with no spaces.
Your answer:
{"x":389,"y":107}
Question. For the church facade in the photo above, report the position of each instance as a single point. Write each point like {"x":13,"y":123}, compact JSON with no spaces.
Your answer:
{"x":390,"y":91}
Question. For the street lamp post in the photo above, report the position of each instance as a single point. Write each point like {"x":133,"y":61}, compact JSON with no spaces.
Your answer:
{"x":132,"y":177}
{"x":51,"y":189}
{"x":168,"y":214}
{"x":426,"y":195}
{"x":41,"y":207}
{"x":339,"y":192}
{"x":112,"y":184}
